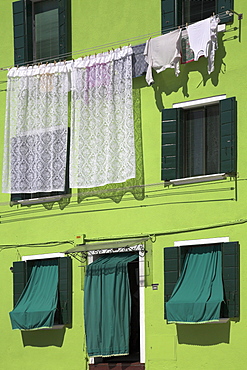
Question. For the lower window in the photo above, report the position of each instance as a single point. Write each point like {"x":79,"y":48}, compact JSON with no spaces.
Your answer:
{"x":43,"y":291}
{"x":201,"y":282}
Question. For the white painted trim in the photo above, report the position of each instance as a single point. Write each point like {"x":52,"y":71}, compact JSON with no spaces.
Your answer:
{"x":198,"y":102}
{"x":139,"y":248}
{"x":195,"y":179}
{"x":42,"y":256}
{"x":142,"y":307}
{"x":201,"y":241}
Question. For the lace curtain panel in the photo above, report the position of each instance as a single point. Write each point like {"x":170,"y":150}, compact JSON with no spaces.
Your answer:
{"x":36,"y":129}
{"x":102,"y":125}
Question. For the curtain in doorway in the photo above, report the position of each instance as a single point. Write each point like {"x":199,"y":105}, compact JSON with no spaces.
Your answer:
{"x":198,"y":294}
{"x":107,"y":305}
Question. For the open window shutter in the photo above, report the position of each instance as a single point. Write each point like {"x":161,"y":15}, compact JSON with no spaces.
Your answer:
{"x":170,"y":143}
{"x":19,"y":279}
{"x":231,"y":278}
{"x":65,"y":289}
{"x":223,"y":6}
{"x":171,"y":15}
{"x":20,"y":46}
{"x":171,"y":271}
{"x":64,"y":26}
{"x":228,"y":135}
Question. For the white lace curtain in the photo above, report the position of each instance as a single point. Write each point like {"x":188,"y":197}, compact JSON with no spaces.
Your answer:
{"x":102,"y":125}
{"x":36,"y":128}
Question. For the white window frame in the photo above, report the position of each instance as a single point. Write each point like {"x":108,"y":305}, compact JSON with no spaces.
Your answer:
{"x":138,"y":248}
{"x":195,"y":104}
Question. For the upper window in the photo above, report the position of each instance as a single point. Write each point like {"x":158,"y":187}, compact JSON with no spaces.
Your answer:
{"x":179,"y":12}
{"x":199,"y":141}
{"x":196,"y":10}
{"x":41,"y":30}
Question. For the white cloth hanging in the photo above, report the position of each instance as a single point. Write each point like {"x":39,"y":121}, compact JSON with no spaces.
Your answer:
{"x":102,"y":125}
{"x":203,"y":39}
{"x":36,"y":125}
{"x":163,"y":52}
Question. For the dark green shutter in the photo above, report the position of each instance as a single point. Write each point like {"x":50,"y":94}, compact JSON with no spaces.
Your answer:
{"x":65,"y":289}
{"x":171,"y":271}
{"x":19,"y":279}
{"x":231,"y":278}
{"x":171,"y":15}
{"x":19,"y":32}
{"x":22,"y":22}
{"x":64,"y":26}
{"x":228,"y":135}
{"x":222,"y":6}
{"x":170,"y":161}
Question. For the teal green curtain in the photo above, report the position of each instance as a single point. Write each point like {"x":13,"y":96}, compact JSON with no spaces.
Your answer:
{"x":198,"y":294}
{"x":107,"y":305}
{"x":37,"y":305}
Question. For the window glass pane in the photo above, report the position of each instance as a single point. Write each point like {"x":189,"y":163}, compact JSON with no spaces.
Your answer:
{"x":196,"y":10}
{"x":213,"y":139}
{"x":195,"y":141}
{"x":45,"y":29}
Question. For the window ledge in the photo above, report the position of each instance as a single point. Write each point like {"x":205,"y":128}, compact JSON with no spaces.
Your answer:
{"x":220,"y":321}
{"x":195,"y":179}
{"x":54,"y":327}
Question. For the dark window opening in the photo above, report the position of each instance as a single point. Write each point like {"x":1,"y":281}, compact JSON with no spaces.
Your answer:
{"x":45,"y":29}
{"x":196,"y":10}
{"x":201,"y":141}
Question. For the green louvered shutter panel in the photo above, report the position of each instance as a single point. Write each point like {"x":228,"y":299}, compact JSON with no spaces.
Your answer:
{"x":222,"y":6}
{"x":19,"y":279}
{"x":228,"y":118}
{"x":171,"y":15}
{"x":231,"y":278}
{"x":170,"y":151}
{"x":20,"y":46}
{"x":64,"y":27}
{"x":171,"y":271}
{"x":65,"y":289}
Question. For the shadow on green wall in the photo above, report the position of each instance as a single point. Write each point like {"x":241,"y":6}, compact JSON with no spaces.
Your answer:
{"x":134,"y":186}
{"x":43,"y":338}
{"x":203,"y":334}
{"x":167,"y":83}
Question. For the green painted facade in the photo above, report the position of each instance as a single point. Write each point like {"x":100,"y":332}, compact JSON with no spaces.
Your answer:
{"x":173,"y":213}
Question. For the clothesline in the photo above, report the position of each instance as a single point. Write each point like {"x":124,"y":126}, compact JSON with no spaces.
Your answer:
{"x":143,"y":37}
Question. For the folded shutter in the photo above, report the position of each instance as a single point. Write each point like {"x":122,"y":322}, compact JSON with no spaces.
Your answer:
{"x":231,"y":278}
{"x":171,"y":271}
{"x":65,"y":289}
{"x":222,"y":7}
{"x":170,"y":151}
{"x":228,"y":135}
{"x":19,"y":279}
{"x":171,"y":15}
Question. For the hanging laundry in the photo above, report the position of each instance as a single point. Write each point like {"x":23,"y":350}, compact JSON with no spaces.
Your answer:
{"x":102,"y":146}
{"x":163,"y":52}
{"x":186,"y":51}
{"x":36,"y":129}
{"x":203,"y":39}
{"x":139,"y":64}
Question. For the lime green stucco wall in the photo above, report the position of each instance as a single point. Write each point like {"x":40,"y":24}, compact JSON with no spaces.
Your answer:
{"x":209,"y":210}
